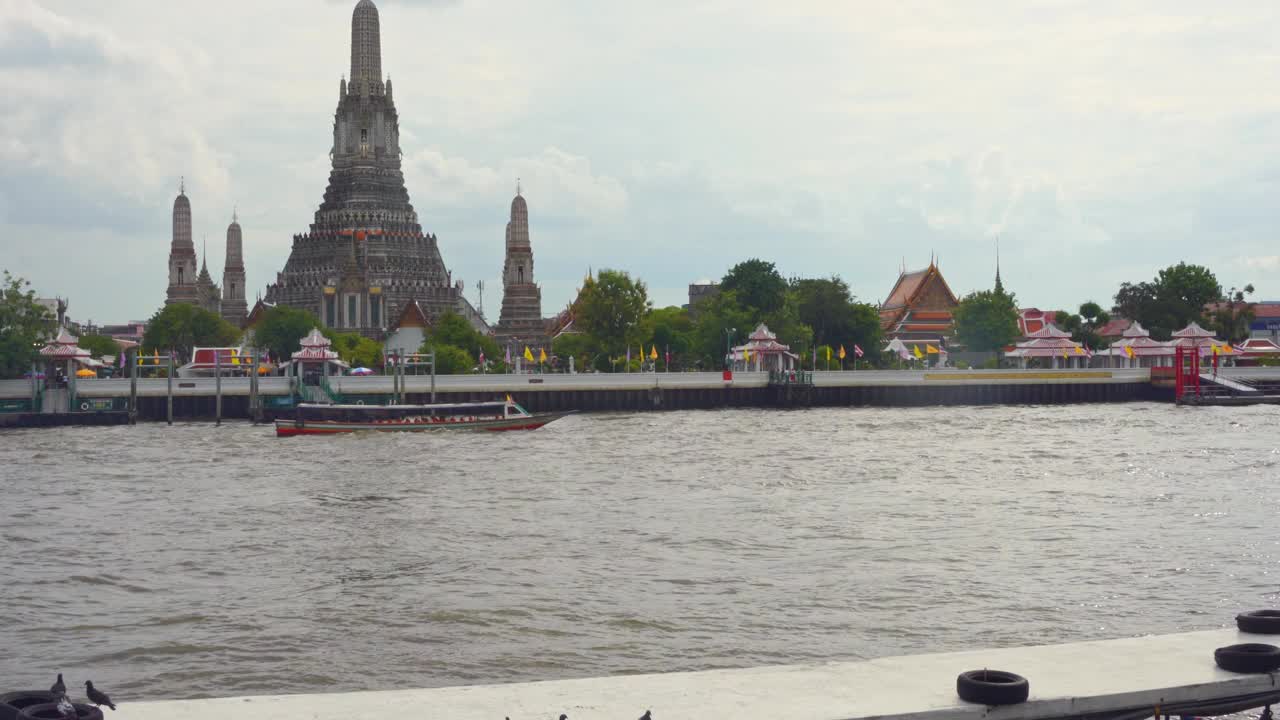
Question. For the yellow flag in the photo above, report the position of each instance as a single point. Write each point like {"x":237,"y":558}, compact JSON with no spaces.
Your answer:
{"x":828,"y":353}
{"x":930,"y":349}
{"x":841,"y":353}
{"x":746,"y":355}
{"x":653,"y":352}
{"x":542,"y":355}
{"x":1215,"y":348}
{"x":1128,"y":351}
{"x":1079,"y":351}
{"x":915,"y":349}
{"x":527,"y":354}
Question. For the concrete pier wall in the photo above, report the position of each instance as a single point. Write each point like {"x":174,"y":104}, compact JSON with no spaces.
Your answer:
{"x":1073,"y":680}
{"x":194,"y":398}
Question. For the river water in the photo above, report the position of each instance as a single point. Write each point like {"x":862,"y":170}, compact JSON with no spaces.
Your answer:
{"x":194,"y":561}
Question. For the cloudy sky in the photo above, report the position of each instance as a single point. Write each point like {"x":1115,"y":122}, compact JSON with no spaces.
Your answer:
{"x":1098,"y":141}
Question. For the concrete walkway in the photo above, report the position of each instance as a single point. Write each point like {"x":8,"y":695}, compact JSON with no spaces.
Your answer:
{"x":1066,"y":680}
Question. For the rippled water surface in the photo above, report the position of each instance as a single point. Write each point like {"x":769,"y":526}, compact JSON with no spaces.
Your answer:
{"x":192,"y":560}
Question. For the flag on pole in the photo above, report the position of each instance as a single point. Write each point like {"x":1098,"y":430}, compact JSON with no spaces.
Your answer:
{"x":746,"y":355}
{"x":930,"y":349}
{"x":653,"y":352}
{"x":841,"y":354}
{"x":1226,"y":348}
{"x":482,"y":357}
{"x":528,"y":354}
{"x":542,"y":355}
{"x":507,"y":357}
{"x":857,"y":351}
{"x":915,"y":350}
{"x":667,"y":352}
{"x":628,"y":356}
{"x":1128,"y":351}
{"x":828,"y":353}
{"x":1214,"y":347}
{"x":1079,"y":350}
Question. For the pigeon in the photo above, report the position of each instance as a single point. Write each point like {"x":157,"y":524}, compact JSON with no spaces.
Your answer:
{"x":66,"y":709}
{"x":646,"y":716}
{"x":59,"y":688}
{"x":96,"y":696}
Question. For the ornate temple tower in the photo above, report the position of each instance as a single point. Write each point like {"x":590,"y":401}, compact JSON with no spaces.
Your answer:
{"x":234,"y":307}
{"x":208,"y":296}
{"x":182,"y":253}
{"x":521,"y":319}
{"x":365,"y":255}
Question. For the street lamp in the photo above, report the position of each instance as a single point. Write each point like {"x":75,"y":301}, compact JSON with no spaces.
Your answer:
{"x":727,"y":334}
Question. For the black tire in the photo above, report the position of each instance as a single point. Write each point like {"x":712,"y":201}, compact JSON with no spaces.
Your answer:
{"x":49,"y":711}
{"x":992,"y":687}
{"x":1259,"y":622}
{"x":1248,"y":658}
{"x":26,"y":698}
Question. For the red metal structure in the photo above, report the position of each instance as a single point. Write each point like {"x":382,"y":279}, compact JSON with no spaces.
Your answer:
{"x":1186,"y":372}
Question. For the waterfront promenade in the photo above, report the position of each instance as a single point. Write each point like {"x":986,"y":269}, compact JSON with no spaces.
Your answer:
{"x":1108,"y":678}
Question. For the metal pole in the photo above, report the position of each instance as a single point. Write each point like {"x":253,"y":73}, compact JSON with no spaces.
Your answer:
{"x":133,"y":389}
{"x":253,"y":384}
{"x":433,"y":375}
{"x":169,"y":389}
{"x":217,"y":385}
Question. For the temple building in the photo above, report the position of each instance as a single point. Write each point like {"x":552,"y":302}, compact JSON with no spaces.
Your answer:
{"x":521,"y":320}
{"x":234,"y":307}
{"x":182,"y":254}
{"x":199,"y":289}
{"x":919,"y":309}
{"x":365,"y":255}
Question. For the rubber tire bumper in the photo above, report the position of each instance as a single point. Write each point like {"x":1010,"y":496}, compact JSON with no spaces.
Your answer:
{"x":1248,"y":658}
{"x":24,"y":699}
{"x":1259,"y":622}
{"x":50,"y":712}
{"x":992,"y":687}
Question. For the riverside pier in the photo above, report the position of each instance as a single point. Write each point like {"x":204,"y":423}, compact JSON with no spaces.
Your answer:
{"x":198,"y":398}
{"x":1130,"y":678}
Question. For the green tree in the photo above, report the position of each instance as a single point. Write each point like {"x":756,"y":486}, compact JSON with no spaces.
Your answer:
{"x":670,"y":330}
{"x":181,"y":327}
{"x":450,"y":359}
{"x":757,"y":284}
{"x":579,"y":346}
{"x":453,"y":329}
{"x":1231,"y":317}
{"x":1177,"y":296}
{"x":610,"y":306}
{"x":99,"y":345}
{"x":24,"y":324}
{"x":986,"y":321}
{"x":827,"y":306}
{"x":722,"y":322}
{"x":281,"y":329}
{"x":356,"y":350}
{"x":1085,"y":324}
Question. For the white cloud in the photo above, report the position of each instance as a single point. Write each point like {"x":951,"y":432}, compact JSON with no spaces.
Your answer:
{"x":1099,"y":141}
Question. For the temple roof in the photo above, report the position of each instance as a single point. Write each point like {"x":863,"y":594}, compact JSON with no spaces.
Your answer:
{"x":1135,"y":330}
{"x":1194,"y":331}
{"x":65,"y":345}
{"x":1049,"y":331}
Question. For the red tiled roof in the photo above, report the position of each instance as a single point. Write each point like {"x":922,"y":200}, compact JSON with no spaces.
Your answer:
{"x":1115,"y":328}
{"x":906,"y":286}
{"x":1266,"y":310}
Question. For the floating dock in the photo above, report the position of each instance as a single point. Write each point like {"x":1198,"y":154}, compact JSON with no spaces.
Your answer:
{"x":1129,"y":678}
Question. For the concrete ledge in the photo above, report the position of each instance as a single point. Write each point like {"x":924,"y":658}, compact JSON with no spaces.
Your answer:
{"x":1066,"y":680}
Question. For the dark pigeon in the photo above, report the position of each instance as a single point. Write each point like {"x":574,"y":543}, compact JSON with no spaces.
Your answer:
{"x":646,"y":716}
{"x":96,"y":696}
{"x":59,"y":688}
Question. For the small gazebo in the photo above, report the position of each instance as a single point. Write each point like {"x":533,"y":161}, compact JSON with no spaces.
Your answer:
{"x":1135,"y":348}
{"x":1195,"y":337}
{"x":1050,"y":342}
{"x":315,"y":358}
{"x":762,"y":352}
{"x":65,"y":348}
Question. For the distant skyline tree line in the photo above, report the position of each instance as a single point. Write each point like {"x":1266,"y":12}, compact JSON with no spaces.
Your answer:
{"x":614,"y":319}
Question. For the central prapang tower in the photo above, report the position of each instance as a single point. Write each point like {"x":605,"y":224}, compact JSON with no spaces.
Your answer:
{"x":365,"y":256}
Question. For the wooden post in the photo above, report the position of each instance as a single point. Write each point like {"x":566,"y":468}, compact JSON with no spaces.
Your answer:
{"x":217,"y":387}
{"x":133,"y":389}
{"x":253,"y":385}
{"x":433,"y":374}
{"x":169,"y":388}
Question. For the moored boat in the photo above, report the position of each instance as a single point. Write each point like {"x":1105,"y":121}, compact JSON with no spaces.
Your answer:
{"x":318,"y":419}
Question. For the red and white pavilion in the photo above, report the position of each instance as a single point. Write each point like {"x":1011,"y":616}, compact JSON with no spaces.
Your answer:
{"x":1141,"y":350}
{"x":315,"y":357}
{"x":762,"y":352}
{"x":1050,"y":343}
